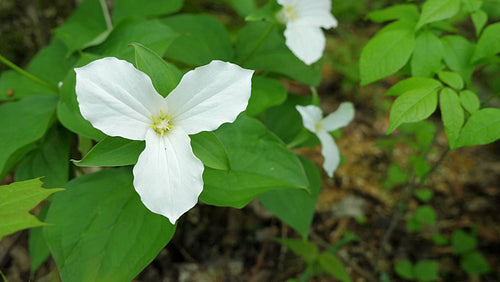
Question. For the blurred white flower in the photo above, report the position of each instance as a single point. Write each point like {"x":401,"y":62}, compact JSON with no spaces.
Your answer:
{"x":121,"y":101}
{"x":304,"y":20}
{"x":313,"y":121}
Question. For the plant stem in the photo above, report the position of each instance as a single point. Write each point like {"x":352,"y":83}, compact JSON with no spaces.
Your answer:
{"x":27,"y":74}
{"x":258,"y":43}
{"x":105,"y":12}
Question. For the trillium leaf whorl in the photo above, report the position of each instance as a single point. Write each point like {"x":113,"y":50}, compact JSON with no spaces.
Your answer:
{"x":121,"y":101}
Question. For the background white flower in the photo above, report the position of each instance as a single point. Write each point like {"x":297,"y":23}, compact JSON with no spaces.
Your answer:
{"x":304,"y":20}
{"x":121,"y":101}
{"x":313,"y":121}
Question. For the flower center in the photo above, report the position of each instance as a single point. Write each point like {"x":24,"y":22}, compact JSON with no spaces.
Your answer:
{"x":291,"y":13}
{"x":161,"y":124}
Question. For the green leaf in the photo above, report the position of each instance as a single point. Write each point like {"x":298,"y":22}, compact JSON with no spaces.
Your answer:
{"x":419,"y":165}
{"x":426,"y":270}
{"x":475,"y":263}
{"x":395,"y":12}
{"x":395,"y":176}
{"x":16,"y":200}
{"x":296,"y":207}
{"x":272,"y":55}
{"x":413,"y":225}
{"x":201,"y":39}
{"x":268,"y":13}
{"x":68,"y":111}
{"x":266,"y":93}
{"x":209,"y":149}
{"x":457,"y":55}
{"x":83,"y":26}
{"x":482,"y":127}
{"x":452,"y":114}
{"x":307,"y":250}
{"x":101,"y":217}
{"x":469,"y":101}
{"x":165,"y":76}
{"x":414,"y":105}
{"x":112,"y":151}
{"x":436,"y":10}
{"x":426,"y":214}
{"x":151,"y":8}
{"x":453,"y":79}
{"x":440,"y":239}
{"x":49,"y":160}
{"x":412,"y":83}
{"x":427,"y":55}
{"x":333,"y":266}
{"x":242,"y":7}
{"x":404,"y":268}
{"x":470,"y":6}
{"x":462,"y":242}
{"x":22,"y":123}
{"x":150,"y":33}
{"x":39,"y":251}
{"x":479,"y":19}
{"x":488,"y":44}
{"x":273,"y":167}
{"x":424,"y":194}
{"x":387,"y":52}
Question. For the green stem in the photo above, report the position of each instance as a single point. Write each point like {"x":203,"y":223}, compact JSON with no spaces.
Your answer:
{"x":315,"y":97}
{"x":105,"y":12}
{"x":27,"y":74}
{"x":257,"y":45}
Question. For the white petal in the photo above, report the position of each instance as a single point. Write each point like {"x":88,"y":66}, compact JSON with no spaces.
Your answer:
{"x":315,"y":13}
{"x":209,"y":96}
{"x":340,"y":118}
{"x":168,"y":176}
{"x":311,"y":115}
{"x":117,"y":98}
{"x":306,"y":42}
{"x":330,"y":152}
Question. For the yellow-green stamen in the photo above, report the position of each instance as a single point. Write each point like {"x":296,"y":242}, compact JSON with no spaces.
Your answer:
{"x":162,"y":124}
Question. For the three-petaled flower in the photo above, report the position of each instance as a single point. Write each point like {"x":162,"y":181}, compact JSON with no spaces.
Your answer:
{"x":313,"y":121}
{"x":121,"y":101}
{"x":304,"y":20}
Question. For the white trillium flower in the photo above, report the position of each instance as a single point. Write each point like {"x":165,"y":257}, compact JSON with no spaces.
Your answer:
{"x":121,"y":101}
{"x":304,"y":20}
{"x":313,"y":120}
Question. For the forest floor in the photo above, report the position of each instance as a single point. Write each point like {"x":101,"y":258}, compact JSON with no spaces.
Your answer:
{"x":354,"y":208}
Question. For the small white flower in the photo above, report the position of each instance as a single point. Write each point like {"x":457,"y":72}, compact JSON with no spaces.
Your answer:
{"x":313,"y":121}
{"x":304,"y":20}
{"x":121,"y":101}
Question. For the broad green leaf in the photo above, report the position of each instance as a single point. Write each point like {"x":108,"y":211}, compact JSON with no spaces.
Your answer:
{"x":150,"y":8}
{"x":38,"y":248}
{"x":426,"y":215}
{"x":150,"y":33}
{"x":475,"y":263}
{"x":462,"y":242}
{"x":414,"y":105}
{"x":488,"y":44}
{"x":395,"y":176}
{"x":273,"y":167}
{"x":413,"y":83}
{"x":426,"y":270}
{"x":427,"y":56}
{"x":165,"y":76}
{"x":436,"y":10}
{"x":457,"y":55}
{"x":272,"y":54}
{"x":23,"y":122}
{"x":404,"y":268}
{"x":267,"y":13}
{"x":470,"y":6}
{"x":266,"y":93}
{"x":307,"y":250}
{"x":424,"y":194}
{"x":296,"y":207}
{"x":83,"y":26}
{"x":201,"y":39}
{"x":68,"y":111}
{"x":453,"y":79}
{"x":395,"y":12}
{"x":452,"y":114}
{"x":387,"y":52}
{"x":469,"y":101}
{"x":112,"y":151}
{"x":333,"y":266}
{"x":242,"y":7}
{"x":479,"y":19}
{"x":101,"y":230}
{"x":210,"y":150}
{"x":481,"y":128}
{"x":16,"y":200}
{"x":53,"y":55}
{"x":49,"y":160}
